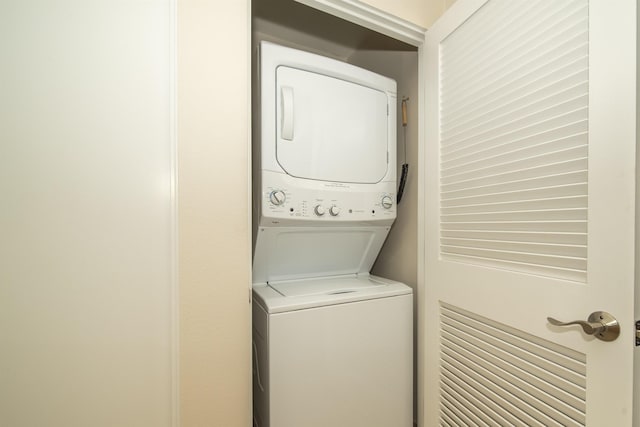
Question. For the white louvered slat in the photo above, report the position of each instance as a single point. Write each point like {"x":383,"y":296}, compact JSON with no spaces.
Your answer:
{"x":544,"y":401}
{"x":571,"y":165}
{"x":528,"y":236}
{"x":576,"y":251}
{"x":525,"y":215}
{"x":521,"y":129}
{"x":503,"y":19}
{"x":451,"y":370}
{"x":467,"y":392}
{"x":523,"y":37}
{"x":506,"y":69}
{"x":516,"y":145}
{"x":558,"y":203}
{"x":568,"y":371}
{"x":513,"y":138}
{"x":471,"y":414}
{"x":526,"y":74}
{"x":566,"y":357}
{"x":563,"y":70}
{"x":544,"y":260}
{"x":544,"y":154}
{"x":509,"y":9}
{"x":517,"y":109}
{"x":575,"y":82}
{"x":498,"y":387}
{"x":537,"y":402}
{"x":451,"y":415}
{"x":504,"y":186}
{"x":566,"y":190}
{"x":502,"y":372}
{"x":512,"y":54}
{"x":481,"y":412}
{"x":519,"y":226}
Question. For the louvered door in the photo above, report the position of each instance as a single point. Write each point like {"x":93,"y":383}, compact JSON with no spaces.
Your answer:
{"x":530,"y":212}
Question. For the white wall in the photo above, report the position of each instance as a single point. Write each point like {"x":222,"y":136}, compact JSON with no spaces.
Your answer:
{"x":86,"y":213}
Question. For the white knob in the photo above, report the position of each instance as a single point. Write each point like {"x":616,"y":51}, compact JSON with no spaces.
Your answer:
{"x":334,"y":210}
{"x":319,"y":210}
{"x":387,"y":202}
{"x":277,"y":197}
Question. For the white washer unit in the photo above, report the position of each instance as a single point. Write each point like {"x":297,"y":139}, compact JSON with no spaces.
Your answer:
{"x":332,"y":344}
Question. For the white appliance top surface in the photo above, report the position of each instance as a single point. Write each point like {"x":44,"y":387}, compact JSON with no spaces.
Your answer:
{"x":302,"y":294}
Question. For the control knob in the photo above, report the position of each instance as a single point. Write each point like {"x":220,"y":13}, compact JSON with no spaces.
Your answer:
{"x":387,"y":202}
{"x":319,"y":210}
{"x":277,"y":197}
{"x":334,"y":210}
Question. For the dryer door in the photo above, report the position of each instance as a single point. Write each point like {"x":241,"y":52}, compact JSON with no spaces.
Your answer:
{"x":329,"y":129}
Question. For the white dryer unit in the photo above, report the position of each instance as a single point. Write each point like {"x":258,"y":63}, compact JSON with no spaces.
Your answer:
{"x":324,"y":181}
{"x":332,"y":344}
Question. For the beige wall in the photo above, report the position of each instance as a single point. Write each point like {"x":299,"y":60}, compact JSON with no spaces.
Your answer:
{"x":214,"y":234}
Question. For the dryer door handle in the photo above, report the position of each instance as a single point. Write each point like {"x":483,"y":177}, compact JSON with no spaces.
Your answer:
{"x":287,"y":113}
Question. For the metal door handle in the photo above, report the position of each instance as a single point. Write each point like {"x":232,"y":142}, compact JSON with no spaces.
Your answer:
{"x":600,"y":324}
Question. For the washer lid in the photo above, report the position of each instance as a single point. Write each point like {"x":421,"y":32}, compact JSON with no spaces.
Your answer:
{"x":333,"y":286}
{"x":295,"y":295}
{"x":329,"y":129}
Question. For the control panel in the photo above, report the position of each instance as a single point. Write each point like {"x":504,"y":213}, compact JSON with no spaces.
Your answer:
{"x":328,"y":204}
{"x":283,"y":203}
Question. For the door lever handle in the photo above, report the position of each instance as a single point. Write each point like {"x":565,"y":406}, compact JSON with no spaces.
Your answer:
{"x":587,"y":327}
{"x":600,"y":324}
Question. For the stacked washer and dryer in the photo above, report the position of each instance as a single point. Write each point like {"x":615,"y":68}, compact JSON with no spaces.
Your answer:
{"x":332,"y":344}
